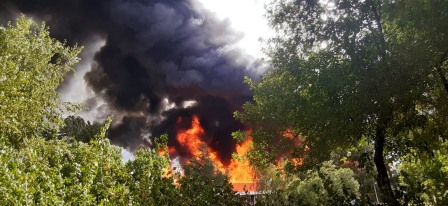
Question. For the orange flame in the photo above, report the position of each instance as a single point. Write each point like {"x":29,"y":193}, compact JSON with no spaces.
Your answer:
{"x":241,"y":173}
{"x":167,"y":172}
{"x":239,"y":169}
{"x":190,"y":138}
{"x":297,"y":141}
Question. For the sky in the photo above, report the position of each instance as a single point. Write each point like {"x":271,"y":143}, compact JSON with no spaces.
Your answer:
{"x":246,"y":16}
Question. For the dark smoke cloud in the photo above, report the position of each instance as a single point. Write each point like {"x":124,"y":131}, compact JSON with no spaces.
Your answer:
{"x":155,"y":50}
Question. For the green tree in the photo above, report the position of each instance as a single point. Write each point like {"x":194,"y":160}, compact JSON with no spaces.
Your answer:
{"x":424,"y":177}
{"x":423,"y":170}
{"x":32,"y":66}
{"x":63,"y":172}
{"x":148,"y":183}
{"x":417,"y":29}
{"x":203,"y":185}
{"x":69,"y":172}
{"x":79,"y":129}
{"x":329,"y":185}
{"x":348,"y":70}
{"x":109,"y":183}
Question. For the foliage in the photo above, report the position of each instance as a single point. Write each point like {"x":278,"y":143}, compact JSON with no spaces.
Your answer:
{"x":204,"y":185}
{"x":79,"y":129}
{"x":148,"y":183}
{"x":360,"y":160}
{"x":348,"y":70}
{"x":56,"y":172}
{"x":417,"y":30}
{"x":327,"y":186}
{"x":70,"y":172}
{"x":32,"y":65}
{"x":424,"y":177}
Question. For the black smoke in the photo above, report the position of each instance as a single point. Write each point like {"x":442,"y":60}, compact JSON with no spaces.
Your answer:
{"x":155,"y":50}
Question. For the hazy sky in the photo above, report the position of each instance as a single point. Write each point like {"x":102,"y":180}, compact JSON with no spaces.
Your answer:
{"x":245,"y":16}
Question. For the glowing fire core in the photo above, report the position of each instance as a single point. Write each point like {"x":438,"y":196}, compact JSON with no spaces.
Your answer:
{"x":239,"y":170}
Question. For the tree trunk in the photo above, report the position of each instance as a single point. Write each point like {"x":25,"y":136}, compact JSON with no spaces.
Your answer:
{"x":440,"y":72}
{"x":383,"y":179}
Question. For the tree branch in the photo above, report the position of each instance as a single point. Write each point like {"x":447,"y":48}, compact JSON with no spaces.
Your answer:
{"x":377,"y":17}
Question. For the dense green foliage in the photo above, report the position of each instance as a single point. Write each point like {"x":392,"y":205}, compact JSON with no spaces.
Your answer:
{"x":79,"y":129}
{"x":351,"y":70}
{"x":203,"y":185}
{"x":329,"y":185}
{"x":58,"y":172}
{"x":424,"y":176}
{"x":64,"y":172}
{"x":147,"y":184}
{"x":70,"y":172}
{"x":32,"y":67}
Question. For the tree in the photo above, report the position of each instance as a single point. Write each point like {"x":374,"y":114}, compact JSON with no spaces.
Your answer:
{"x":423,"y":170}
{"x":329,"y":185}
{"x":70,"y":172}
{"x":418,"y":30}
{"x":63,"y":172}
{"x":348,"y":70}
{"x":79,"y":129}
{"x":424,"y":177}
{"x":148,"y":184}
{"x":32,"y":66}
{"x":204,"y":185}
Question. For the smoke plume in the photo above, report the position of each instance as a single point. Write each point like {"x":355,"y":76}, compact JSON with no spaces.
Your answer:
{"x":162,"y":59}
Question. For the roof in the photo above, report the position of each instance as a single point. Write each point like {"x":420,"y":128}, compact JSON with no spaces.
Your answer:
{"x":243,"y":187}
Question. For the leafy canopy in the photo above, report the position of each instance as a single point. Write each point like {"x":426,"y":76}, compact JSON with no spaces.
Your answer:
{"x":347,"y":70}
{"x":32,"y":66}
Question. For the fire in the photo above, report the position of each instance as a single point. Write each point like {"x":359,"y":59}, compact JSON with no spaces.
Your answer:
{"x":239,"y":169}
{"x":289,"y":134}
{"x":191,"y":138}
{"x":240,"y":172}
{"x":296,"y":161}
{"x":167,"y":172}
